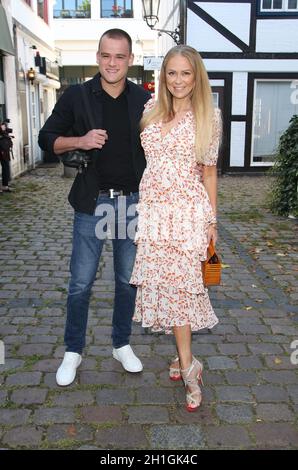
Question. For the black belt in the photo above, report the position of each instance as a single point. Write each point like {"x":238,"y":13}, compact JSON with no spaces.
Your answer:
{"x":111,"y":193}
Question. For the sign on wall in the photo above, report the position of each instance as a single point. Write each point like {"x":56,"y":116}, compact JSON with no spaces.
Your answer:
{"x":152,"y":63}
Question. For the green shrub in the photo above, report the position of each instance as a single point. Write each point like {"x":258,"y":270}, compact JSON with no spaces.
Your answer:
{"x":283,"y":197}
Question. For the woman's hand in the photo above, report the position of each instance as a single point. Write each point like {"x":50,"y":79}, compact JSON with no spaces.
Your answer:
{"x":212,"y":234}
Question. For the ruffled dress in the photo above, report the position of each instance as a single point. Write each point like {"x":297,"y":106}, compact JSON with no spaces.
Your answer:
{"x":174,"y":213}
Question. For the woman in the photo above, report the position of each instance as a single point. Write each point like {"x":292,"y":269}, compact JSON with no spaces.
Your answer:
{"x":177,"y":210}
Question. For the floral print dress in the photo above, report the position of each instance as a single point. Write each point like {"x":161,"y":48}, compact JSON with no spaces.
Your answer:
{"x":174,"y":214}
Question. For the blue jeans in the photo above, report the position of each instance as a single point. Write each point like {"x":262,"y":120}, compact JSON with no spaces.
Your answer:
{"x":89,"y":233}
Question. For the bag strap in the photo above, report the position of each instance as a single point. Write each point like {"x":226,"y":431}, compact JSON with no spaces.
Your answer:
{"x":88,"y":108}
{"x":211,"y":250}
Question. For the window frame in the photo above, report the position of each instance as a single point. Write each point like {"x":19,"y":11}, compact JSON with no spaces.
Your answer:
{"x":121,"y":17}
{"x":256,"y":164}
{"x":281,"y":12}
{"x":67,"y":11}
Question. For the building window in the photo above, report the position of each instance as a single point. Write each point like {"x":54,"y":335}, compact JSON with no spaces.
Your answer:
{"x":275,"y":102}
{"x":42,"y":9}
{"x":72,"y":9}
{"x":279,"y":6}
{"x":116,"y":9}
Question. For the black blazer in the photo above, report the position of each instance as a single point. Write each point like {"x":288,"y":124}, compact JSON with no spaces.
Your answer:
{"x":69,"y":119}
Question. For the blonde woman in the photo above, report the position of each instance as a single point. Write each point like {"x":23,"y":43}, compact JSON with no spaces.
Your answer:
{"x":177,"y":210}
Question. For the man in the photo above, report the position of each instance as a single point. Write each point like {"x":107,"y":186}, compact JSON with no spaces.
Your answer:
{"x":114,"y":174}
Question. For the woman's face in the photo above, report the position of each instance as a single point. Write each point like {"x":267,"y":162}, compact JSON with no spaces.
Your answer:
{"x":180,"y":77}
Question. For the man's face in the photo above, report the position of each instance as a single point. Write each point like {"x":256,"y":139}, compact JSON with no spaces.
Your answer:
{"x":113,"y":58}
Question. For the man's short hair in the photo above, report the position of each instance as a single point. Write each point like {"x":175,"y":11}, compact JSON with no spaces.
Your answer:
{"x":116,"y":33}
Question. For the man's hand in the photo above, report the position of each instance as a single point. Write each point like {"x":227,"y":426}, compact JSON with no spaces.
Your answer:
{"x":94,"y":139}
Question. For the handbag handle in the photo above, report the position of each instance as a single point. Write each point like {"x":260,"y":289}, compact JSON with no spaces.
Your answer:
{"x":210,"y":249}
{"x":87,"y":108}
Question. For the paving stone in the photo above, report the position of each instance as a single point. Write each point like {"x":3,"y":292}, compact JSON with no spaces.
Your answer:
{"x":35,"y":349}
{"x":176,"y":437}
{"x":250,"y":362}
{"x":11,"y":364}
{"x":234,"y":394}
{"x":46,"y":365}
{"x":234,"y":414}
{"x":279,"y":362}
{"x":227,"y":437}
{"x":12,"y":417}
{"x":206,"y":414}
{"x":130,"y":436}
{"x":269,"y":393}
{"x":293,"y":392}
{"x":221,"y":362}
{"x":265,"y":348}
{"x":24,"y":436}
{"x":155,"y":396}
{"x":24,"y":378}
{"x":279,"y":376}
{"x":3,"y":396}
{"x":72,"y":399}
{"x":274,"y":412}
{"x":53,"y":415}
{"x":100,"y":378}
{"x":76,"y":432}
{"x":241,"y":377}
{"x":101,"y":414}
{"x":140,"y":380}
{"x":110,"y":396}
{"x":233,"y":349}
{"x":275,"y":435}
{"x":22,"y":397}
{"x":147,"y":414}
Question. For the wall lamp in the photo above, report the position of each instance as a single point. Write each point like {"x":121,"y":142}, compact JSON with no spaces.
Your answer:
{"x":31,"y":75}
{"x":150,"y":15}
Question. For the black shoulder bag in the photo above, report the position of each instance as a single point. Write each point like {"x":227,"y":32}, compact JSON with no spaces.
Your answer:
{"x":80,"y":159}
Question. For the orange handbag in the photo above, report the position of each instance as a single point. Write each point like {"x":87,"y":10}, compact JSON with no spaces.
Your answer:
{"x":211,"y":268}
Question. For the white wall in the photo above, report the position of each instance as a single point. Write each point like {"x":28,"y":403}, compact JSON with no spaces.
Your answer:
{"x":234,"y":17}
{"x":237,"y":144}
{"x":27,"y":16}
{"x":78,"y":38}
{"x":277,"y":35}
{"x":250,"y":65}
{"x":239,"y":93}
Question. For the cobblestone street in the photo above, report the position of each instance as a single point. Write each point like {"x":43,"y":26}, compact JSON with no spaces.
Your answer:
{"x":250,"y":397}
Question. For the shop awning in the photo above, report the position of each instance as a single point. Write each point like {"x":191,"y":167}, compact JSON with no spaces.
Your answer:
{"x":6,"y":45}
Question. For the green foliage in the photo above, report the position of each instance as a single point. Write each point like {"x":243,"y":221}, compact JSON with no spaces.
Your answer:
{"x":85,"y":5}
{"x":283,"y":197}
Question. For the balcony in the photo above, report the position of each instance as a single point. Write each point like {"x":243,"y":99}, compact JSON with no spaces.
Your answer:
{"x":116,"y":12}
{"x":64,"y":14}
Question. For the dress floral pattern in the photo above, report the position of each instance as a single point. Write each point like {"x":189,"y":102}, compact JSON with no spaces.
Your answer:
{"x":174,"y":214}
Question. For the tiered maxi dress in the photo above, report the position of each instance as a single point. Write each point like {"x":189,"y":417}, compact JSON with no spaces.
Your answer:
{"x":174,"y":214}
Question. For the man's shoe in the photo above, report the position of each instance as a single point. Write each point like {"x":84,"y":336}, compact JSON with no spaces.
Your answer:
{"x":128,"y":359}
{"x":68,"y":369}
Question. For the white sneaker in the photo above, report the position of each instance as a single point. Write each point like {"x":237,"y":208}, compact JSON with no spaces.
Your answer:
{"x":128,"y":359}
{"x":68,"y":369}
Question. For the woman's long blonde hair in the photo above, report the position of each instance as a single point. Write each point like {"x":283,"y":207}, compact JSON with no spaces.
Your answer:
{"x":201,"y":100}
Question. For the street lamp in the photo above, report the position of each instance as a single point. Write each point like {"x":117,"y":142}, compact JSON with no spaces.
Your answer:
{"x":31,"y":75}
{"x":151,"y":10}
